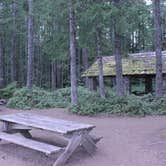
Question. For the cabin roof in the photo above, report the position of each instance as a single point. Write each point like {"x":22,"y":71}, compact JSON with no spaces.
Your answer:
{"x":134,"y":64}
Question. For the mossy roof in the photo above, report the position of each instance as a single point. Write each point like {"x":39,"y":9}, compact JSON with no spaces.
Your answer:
{"x":135,"y":64}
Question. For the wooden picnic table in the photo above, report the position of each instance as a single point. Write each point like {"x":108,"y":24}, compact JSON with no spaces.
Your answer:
{"x":77,"y":134}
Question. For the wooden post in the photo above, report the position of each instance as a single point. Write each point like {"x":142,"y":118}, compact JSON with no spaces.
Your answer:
{"x":127,"y":84}
{"x":114,"y":82}
{"x":5,"y":126}
{"x":164,"y":83}
{"x":148,"y":84}
{"x":85,"y":62}
{"x":92,"y":84}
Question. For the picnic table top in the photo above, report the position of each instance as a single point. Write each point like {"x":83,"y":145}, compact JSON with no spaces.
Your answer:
{"x":45,"y":123}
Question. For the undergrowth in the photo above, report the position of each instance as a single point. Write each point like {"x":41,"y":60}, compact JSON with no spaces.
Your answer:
{"x":90,"y":103}
{"x":8,"y":91}
{"x":38,"y":98}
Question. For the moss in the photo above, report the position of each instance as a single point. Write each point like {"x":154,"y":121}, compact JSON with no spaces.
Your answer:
{"x":131,"y":66}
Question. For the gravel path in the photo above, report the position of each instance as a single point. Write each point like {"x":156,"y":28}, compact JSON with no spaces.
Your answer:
{"x":126,"y":142}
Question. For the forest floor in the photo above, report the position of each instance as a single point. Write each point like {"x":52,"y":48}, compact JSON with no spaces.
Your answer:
{"x":126,"y":142}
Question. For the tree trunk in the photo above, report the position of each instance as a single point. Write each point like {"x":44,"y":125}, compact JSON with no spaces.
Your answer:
{"x":78,"y":62}
{"x":100,"y":63}
{"x":157,"y":41}
{"x":118,"y":61}
{"x":114,"y":82}
{"x":30,"y":45}
{"x":93,"y":84}
{"x":118,"y":58}
{"x":85,"y":64}
{"x":73,"y":77}
{"x":1,"y":53}
{"x":164,"y":84}
{"x":59,"y":73}
{"x":37,"y":62}
{"x":13,"y":42}
{"x":148,"y":84}
{"x":20,"y":72}
{"x":127,"y":85}
{"x":1,"y":66}
{"x":53,"y":76}
{"x":62,"y":74}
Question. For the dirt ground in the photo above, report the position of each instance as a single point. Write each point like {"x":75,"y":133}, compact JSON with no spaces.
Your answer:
{"x":126,"y":142}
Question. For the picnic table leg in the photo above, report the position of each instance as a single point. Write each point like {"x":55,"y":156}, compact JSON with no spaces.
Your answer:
{"x":95,"y":139}
{"x":25,"y":133}
{"x":80,"y":139}
{"x":74,"y":143}
{"x":14,"y":128}
{"x":4,"y":126}
{"x":88,"y":143}
{"x":23,"y":130}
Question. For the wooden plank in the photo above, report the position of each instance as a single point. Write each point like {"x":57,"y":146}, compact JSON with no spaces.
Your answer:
{"x":46,"y":123}
{"x":35,"y":145}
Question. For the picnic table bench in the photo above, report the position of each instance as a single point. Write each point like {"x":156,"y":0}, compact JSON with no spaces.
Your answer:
{"x":77,"y":134}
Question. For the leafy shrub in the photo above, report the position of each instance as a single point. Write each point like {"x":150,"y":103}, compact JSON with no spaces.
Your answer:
{"x":8,"y":91}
